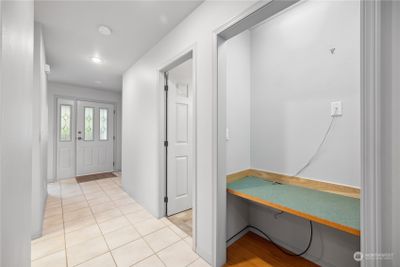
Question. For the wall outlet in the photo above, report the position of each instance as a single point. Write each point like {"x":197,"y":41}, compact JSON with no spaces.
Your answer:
{"x":336,"y":109}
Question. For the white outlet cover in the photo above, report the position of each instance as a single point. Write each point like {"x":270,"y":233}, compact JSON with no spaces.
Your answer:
{"x":336,"y":109}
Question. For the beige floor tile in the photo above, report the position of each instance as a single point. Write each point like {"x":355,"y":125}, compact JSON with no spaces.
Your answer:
{"x":139,"y":216}
{"x":56,"y":219}
{"x":152,"y":261}
{"x":86,"y":250}
{"x":178,"y":231}
{"x":52,"y":229}
{"x":99,"y":194}
{"x":47,"y":237}
{"x":103,"y":207}
{"x":57,"y":259}
{"x":53,"y":204}
{"x":76,"y":214}
{"x":161,"y":239}
{"x":130,"y":208}
{"x":108,"y":220}
{"x":98,"y":201}
{"x":189,"y":241}
{"x":177,"y":255}
{"x":72,"y":200}
{"x":52,"y":224}
{"x":118,"y":196}
{"x":107,"y":215}
{"x":75,"y":206}
{"x":121,"y":236}
{"x":199,"y":263}
{"x":47,"y":246}
{"x":105,"y":260}
{"x":88,"y":189}
{"x":166,"y":221}
{"x":82,"y":235}
{"x":53,"y":211}
{"x":72,"y":194}
{"x":113,"y":224}
{"x":124,"y":200}
{"x":78,"y":223}
{"x":149,"y":226}
{"x":131,"y":253}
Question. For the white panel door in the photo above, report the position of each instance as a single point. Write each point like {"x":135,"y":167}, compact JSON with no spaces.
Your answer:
{"x":180,"y":147}
{"x":95,"y":137}
{"x":65,"y":138}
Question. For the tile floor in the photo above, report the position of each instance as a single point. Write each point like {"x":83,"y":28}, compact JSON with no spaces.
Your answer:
{"x":97,"y":224}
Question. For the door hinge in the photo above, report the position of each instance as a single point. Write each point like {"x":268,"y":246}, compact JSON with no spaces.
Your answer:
{"x":165,"y":199}
{"x":166,"y":88}
{"x":113,"y":163}
{"x":114,"y":111}
{"x":166,"y":143}
{"x":114,"y":137}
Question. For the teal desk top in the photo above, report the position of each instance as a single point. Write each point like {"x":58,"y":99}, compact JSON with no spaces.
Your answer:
{"x":334,"y":210}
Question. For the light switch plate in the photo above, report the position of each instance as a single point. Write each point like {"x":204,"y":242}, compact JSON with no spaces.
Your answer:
{"x":336,"y":109}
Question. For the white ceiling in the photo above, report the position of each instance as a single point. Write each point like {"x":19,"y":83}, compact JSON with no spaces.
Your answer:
{"x":71,"y":36}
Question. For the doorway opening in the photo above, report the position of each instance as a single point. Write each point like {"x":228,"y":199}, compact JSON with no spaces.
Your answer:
{"x":85,"y":138}
{"x":179,"y":143}
{"x":279,"y":100}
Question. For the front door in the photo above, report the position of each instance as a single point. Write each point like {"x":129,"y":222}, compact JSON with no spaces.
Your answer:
{"x":65,"y":138}
{"x":95,"y":137}
{"x":180,"y":139}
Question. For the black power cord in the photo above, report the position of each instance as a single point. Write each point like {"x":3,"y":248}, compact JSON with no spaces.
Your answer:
{"x":287,"y":252}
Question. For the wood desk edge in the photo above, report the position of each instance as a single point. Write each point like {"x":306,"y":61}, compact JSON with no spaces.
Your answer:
{"x":343,"y":190}
{"x":338,"y":226}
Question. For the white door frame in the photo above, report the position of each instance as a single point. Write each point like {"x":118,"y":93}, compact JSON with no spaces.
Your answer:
{"x":55,"y":130}
{"x":371,"y":220}
{"x":186,"y":54}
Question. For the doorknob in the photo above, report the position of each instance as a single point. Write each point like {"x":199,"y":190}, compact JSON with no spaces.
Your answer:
{"x":79,"y":138}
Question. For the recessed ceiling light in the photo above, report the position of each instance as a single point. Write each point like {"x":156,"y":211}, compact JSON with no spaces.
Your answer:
{"x":104,"y":30}
{"x":96,"y":59}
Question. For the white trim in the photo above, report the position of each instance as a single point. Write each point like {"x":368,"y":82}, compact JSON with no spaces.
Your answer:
{"x":180,"y":58}
{"x":370,"y":130}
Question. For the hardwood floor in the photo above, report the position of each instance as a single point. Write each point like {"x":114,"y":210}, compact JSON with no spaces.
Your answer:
{"x":254,"y":251}
{"x":183,"y":220}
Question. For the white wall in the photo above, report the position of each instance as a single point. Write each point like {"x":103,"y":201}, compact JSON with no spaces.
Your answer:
{"x":295,"y":77}
{"x":76,"y":92}
{"x":40,"y":134}
{"x":142,"y":120}
{"x":16,"y":80}
{"x":238,"y":92}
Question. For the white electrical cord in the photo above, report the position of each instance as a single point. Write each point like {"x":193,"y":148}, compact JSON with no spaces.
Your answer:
{"x":319,"y":147}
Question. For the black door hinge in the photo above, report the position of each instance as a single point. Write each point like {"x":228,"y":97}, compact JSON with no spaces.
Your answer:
{"x":165,"y":199}
{"x":113,"y":164}
{"x":166,"y":143}
{"x":166,"y":88}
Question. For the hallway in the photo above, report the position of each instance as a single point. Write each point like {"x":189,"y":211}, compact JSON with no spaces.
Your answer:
{"x":97,"y":224}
